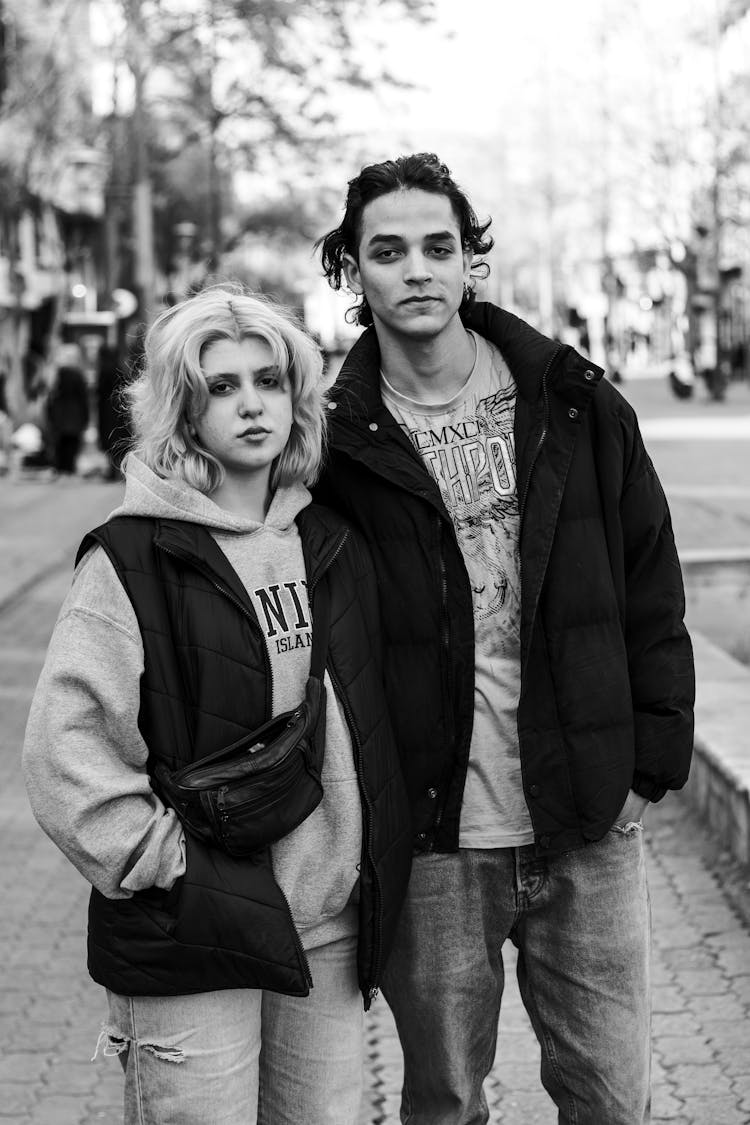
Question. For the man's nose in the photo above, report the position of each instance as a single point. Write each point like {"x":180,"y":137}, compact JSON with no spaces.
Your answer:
{"x":417,"y":268}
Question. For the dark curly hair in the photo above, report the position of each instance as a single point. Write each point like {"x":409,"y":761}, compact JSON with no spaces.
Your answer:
{"x":423,"y":171}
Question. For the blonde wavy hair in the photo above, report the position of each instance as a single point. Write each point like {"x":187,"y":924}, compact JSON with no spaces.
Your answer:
{"x":171,"y":393}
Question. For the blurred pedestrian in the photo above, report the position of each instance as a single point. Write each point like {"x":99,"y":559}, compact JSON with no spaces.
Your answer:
{"x":6,"y":428}
{"x":538,"y":670}
{"x":67,"y":416}
{"x":112,"y":418}
{"x":188,"y":626}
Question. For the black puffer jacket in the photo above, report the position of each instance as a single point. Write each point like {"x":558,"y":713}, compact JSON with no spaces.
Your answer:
{"x":207,"y":682}
{"x":607,"y":682}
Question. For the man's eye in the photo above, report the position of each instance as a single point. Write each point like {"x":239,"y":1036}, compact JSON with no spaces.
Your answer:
{"x":386,"y":255}
{"x":442,"y":251}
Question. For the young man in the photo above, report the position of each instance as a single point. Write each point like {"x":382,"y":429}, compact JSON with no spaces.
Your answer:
{"x":540,"y":677}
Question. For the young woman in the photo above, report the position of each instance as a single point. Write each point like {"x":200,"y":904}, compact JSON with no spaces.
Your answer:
{"x":235,"y":985}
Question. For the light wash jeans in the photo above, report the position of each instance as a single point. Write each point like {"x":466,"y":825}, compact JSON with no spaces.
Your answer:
{"x":581,"y":922}
{"x":242,"y":1056}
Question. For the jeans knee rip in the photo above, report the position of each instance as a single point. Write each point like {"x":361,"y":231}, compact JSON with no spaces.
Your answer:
{"x":115,"y":1043}
{"x":629,"y":829}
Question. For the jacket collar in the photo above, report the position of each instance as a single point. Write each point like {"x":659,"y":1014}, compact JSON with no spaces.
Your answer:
{"x":528,"y":353}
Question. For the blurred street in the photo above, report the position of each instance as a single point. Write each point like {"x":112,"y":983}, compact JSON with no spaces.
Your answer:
{"x":50,"y":1012}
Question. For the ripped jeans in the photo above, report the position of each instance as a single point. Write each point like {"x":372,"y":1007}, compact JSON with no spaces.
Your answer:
{"x":241,"y":1056}
{"x":581,"y":924}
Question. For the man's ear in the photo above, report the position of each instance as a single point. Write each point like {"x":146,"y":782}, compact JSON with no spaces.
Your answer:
{"x":352,"y":274}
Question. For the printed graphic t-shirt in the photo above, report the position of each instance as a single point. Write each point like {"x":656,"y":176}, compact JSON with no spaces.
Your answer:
{"x":468,"y":448}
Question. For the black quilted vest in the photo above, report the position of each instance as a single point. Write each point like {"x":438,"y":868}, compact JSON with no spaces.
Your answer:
{"x":206,"y":682}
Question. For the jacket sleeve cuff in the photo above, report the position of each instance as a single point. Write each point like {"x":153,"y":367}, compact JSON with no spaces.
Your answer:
{"x":645,"y":786}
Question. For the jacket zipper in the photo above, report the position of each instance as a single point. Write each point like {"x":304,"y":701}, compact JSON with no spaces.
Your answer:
{"x":373,"y":988}
{"x":543,"y":435}
{"x":445,"y":639}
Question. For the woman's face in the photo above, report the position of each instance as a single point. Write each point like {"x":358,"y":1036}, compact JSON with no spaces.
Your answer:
{"x":248,"y":419}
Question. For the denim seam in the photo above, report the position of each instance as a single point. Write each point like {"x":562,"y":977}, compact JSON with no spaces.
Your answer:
{"x":547,"y":1046}
{"x":136,"y":1060}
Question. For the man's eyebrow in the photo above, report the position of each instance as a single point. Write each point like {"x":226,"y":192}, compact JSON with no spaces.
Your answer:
{"x":433,"y":236}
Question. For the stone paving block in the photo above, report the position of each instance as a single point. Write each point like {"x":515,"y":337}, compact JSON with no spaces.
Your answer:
{"x":22,"y":1066}
{"x":714,"y":1109}
{"x":109,"y":1093}
{"x":31,"y":1037}
{"x":664,"y":1105}
{"x":531,"y":1109}
{"x":694,"y":957}
{"x":519,"y":1076}
{"x":70,"y":1077}
{"x":741,"y":1085}
{"x":735,"y":1061}
{"x":730,"y":939}
{"x":56,"y":1109}
{"x":715,"y":1007}
{"x":724,"y":1033}
{"x":734,"y":962}
{"x":740,"y":988}
{"x":676,"y":1049}
{"x":667,"y":999}
{"x":16,"y":1107}
{"x":702,"y":984}
{"x":678,"y":937}
{"x":672,"y":1024}
{"x":693,"y":1081}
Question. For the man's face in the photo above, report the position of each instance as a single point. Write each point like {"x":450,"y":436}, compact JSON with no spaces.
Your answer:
{"x":411,"y":267}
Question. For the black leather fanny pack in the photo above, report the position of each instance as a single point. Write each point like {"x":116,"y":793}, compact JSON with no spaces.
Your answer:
{"x":261,"y":787}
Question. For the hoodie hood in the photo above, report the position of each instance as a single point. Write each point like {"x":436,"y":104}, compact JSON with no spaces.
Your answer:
{"x":147,"y":494}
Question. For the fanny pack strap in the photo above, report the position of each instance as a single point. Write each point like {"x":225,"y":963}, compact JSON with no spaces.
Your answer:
{"x":321,"y":630}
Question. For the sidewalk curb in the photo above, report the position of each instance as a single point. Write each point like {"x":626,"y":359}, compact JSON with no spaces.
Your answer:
{"x":719,"y":783}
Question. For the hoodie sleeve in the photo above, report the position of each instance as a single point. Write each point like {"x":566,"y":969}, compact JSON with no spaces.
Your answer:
{"x":84,"y":758}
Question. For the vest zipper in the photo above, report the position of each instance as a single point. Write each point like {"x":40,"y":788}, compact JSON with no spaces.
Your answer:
{"x":297,"y":939}
{"x":542,"y":436}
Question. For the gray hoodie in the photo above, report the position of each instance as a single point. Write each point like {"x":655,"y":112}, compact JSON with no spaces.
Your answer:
{"x":85,"y":760}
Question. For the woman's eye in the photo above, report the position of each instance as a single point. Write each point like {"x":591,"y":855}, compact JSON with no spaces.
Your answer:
{"x":220,"y":388}
{"x":269,"y":380}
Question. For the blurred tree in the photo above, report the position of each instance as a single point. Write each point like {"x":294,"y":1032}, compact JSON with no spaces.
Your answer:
{"x":45,"y":111}
{"x":244,"y":85}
